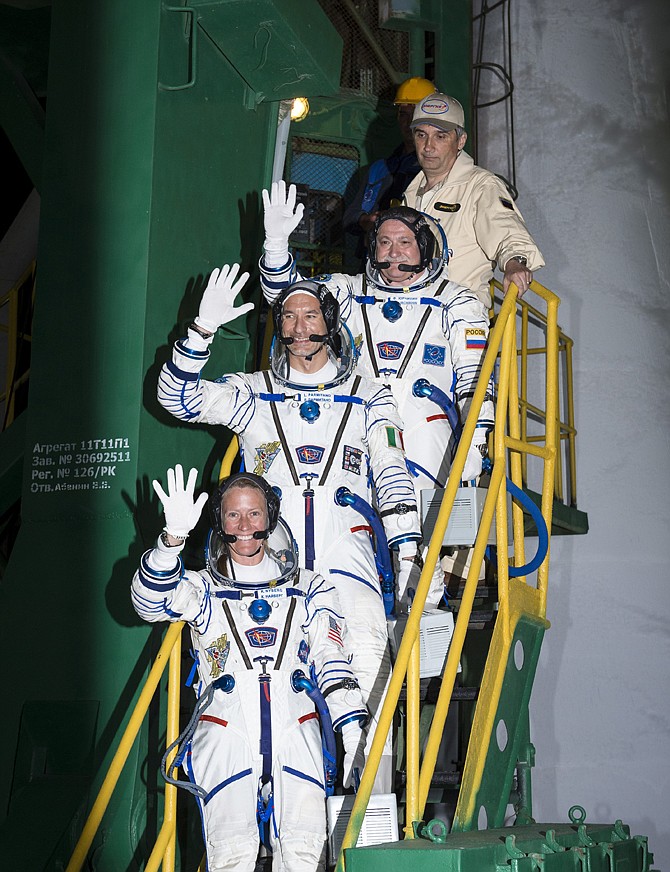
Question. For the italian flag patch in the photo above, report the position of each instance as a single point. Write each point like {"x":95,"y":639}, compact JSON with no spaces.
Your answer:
{"x":394,"y":438}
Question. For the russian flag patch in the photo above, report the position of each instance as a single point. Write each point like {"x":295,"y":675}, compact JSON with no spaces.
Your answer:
{"x":475,"y":337}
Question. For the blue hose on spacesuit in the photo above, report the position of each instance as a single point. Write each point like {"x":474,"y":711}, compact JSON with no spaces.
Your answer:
{"x":344,"y":497}
{"x":423,"y":388}
{"x":299,"y":681}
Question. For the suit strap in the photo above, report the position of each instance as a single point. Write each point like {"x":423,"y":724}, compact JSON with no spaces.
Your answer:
{"x":233,"y":630}
{"x":280,"y":431}
{"x":340,"y":431}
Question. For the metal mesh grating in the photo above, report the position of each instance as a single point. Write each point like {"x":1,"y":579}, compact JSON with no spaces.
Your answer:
{"x":321,"y":172}
{"x":365,"y":69}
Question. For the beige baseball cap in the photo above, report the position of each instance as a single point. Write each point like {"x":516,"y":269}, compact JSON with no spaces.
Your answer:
{"x":439,"y":110}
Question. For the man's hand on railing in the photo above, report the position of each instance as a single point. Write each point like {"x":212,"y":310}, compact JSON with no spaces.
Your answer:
{"x":516,"y":271}
{"x":180,"y":508}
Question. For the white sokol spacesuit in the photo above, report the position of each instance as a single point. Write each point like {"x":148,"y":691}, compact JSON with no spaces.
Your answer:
{"x":253,"y":752}
{"x":342,"y":432}
{"x":422,"y":327}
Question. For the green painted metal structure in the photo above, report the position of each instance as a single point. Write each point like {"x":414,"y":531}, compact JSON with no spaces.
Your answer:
{"x":159,"y":136}
{"x":573,"y":847}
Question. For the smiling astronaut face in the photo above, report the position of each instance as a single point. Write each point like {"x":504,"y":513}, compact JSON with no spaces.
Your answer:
{"x":301,"y":319}
{"x":396,"y":245}
{"x":243,"y":513}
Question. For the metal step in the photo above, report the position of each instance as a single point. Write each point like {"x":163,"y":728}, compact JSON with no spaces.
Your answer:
{"x":439,"y":779}
{"x":430,"y":688}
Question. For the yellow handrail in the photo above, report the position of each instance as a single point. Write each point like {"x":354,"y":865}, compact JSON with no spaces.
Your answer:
{"x":170,"y":642}
{"x":410,"y":636}
{"x":164,"y":849}
{"x":502,"y":336}
{"x":565,"y":473}
{"x":512,"y":403}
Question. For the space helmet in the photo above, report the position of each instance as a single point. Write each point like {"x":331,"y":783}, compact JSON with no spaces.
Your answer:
{"x":276,"y":540}
{"x":337,"y":338}
{"x":430,"y":237}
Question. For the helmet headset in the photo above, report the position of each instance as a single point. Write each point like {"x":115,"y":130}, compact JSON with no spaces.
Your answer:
{"x":430,"y":239}
{"x":337,"y":339}
{"x":271,"y":501}
{"x":418,"y":225}
{"x":330,"y":309}
{"x":277,"y":539}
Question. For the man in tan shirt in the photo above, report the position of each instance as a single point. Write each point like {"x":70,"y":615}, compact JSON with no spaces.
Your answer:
{"x":483,"y":226}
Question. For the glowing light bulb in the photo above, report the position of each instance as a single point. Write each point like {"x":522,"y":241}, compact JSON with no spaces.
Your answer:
{"x":300,"y":109}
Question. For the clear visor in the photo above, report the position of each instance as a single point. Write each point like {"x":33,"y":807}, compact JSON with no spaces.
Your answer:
{"x":279,"y":547}
{"x":435,"y":267}
{"x":280,"y":361}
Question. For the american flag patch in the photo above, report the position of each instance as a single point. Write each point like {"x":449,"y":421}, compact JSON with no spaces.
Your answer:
{"x":475,"y":338}
{"x":334,"y":632}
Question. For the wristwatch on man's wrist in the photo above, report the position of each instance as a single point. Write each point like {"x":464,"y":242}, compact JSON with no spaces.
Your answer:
{"x":201,"y":330}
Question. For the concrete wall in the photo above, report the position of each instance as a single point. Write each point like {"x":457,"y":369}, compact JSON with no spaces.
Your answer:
{"x":592,"y":146}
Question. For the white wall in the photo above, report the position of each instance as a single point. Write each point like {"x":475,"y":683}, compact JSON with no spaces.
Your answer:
{"x":593,"y":145}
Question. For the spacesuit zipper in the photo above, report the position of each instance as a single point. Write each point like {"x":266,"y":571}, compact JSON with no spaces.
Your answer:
{"x":308,"y":494}
{"x":266,"y":719}
{"x":265,"y":799}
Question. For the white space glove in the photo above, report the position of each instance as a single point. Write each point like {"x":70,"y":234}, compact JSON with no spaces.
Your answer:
{"x":180,"y":510}
{"x":473,"y":462}
{"x":353,"y":740}
{"x":282,"y":216}
{"x":409,"y":572}
{"x":216,"y":306}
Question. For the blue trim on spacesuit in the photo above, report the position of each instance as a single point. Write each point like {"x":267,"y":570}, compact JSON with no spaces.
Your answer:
{"x":356,"y":578}
{"x":303,"y":775}
{"x":149,"y":576}
{"x":174,"y":370}
{"x":415,"y":468}
{"x":190,"y":352}
{"x":212,"y":793}
{"x":276,"y":269}
{"x":357,"y":717}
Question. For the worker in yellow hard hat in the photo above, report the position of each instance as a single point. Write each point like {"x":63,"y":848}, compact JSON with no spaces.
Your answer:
{"x":388,"y":177}
{"x":409,"y":94}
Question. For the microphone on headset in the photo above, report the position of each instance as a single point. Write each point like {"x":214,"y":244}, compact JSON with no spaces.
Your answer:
{"x":258,"y":534}
{"x":314,"y":337}
{"x":403,"y":267}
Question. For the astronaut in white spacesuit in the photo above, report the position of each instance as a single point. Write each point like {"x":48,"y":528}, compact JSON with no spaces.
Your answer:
{"x":410,"y":323}
{"x":328,"y":439}
{"x":260,"y":628}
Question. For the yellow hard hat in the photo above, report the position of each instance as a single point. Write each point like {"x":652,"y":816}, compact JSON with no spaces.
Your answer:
{"x":413,"y":90}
